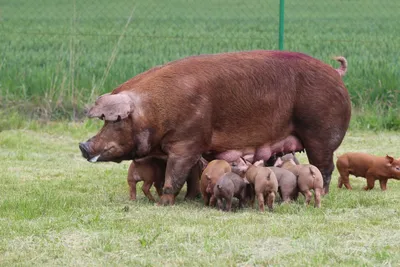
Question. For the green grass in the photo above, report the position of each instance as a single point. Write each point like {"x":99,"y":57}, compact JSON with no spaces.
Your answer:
{"x":56,"y":209}
{"x":56,"y":56}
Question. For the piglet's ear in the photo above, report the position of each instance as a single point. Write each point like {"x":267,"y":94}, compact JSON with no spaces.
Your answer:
{"x":111,"y":107}
{"x":390,"y":159}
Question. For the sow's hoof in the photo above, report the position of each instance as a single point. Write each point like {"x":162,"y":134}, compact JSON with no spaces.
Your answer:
{"x":167,"y":200}
{"x":192,"y":196}
{"x":325,"y":190}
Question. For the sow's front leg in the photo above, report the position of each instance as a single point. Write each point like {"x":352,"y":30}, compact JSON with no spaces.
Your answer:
{"x":178,"y":169}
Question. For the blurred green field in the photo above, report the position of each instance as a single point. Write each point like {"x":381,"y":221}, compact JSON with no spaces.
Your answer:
{"x":56,"y":56}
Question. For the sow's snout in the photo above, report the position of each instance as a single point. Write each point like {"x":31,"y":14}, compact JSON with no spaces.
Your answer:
{"x":85,"y":149}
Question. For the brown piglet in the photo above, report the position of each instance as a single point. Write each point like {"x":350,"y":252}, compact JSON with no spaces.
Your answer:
{"x":308,"y":177}
{"x":287,"y":184}
{"x":368,"y":166}
{"x":211,"y":174}
{"x":265,"y":184}
{"x":228,"y":186}
{"x":151,"y":171}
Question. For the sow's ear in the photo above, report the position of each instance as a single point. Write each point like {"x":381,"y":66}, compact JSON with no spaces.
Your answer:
{"x":111,"y":107}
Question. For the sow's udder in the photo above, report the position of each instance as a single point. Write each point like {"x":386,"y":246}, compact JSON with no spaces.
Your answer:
{"x":264,"y":152}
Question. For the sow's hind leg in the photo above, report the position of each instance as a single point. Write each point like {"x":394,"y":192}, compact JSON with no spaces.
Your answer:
{"x":320,"y":143}
{"x":320,"y":155}
{"x":321,"y":124}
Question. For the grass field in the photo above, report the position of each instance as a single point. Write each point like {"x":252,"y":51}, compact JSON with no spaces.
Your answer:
{"x":56,"y":209}
{"x":56,"y":56}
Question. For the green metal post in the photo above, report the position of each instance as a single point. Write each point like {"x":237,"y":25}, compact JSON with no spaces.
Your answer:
{"x":281,"y":22}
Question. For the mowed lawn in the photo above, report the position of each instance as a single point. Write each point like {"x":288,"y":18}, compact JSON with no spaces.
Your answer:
{"x":56,"y":209}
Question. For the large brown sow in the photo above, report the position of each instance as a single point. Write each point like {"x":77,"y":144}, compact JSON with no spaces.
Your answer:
{"x":205,"y":105}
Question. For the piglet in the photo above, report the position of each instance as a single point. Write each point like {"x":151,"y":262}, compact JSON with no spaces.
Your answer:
{"x":261,"y":178}
{"x":287,"y":184}
{"x":151,"y":170}
{"x":368,"y":166}
{"x":290,"y":156}
{"x":308,"y":177}
{"x":211,"y":174}
{"x":228,"y":186}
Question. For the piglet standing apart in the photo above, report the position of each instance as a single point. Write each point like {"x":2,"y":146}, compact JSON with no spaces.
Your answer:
{"x":228,"y":186}
{"x":308,"y":177}
{"x":368,"y":166}
{"x":211,"y":174}
{"x":151,"y":171}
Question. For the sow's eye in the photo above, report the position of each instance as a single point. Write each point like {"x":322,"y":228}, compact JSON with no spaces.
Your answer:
{"x":397,"y":168}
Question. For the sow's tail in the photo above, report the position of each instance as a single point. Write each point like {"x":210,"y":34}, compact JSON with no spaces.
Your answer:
{"x":343,"y":65}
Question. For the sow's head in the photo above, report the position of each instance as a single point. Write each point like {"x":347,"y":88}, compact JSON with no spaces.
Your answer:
{"x":114,"y":141}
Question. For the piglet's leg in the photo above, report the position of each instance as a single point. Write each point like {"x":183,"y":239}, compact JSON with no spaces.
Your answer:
{"x":146,"y":190}
{"x":213,"y":200}
{"x":383,"y":184}
{"x":270,"y":201}
{"x":228,"y":204}
{"x":132,"y":179}
{"x":308,"y":196}
{"x":260,"y":198}
{"x":206,"y":199}
{"x":132,"y":189}
{"x":340,"y":182}
{"x":344,"y":178}
{"x":220,"y":205}
{"x":370,"y":183}
{"x":317,"y":197}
